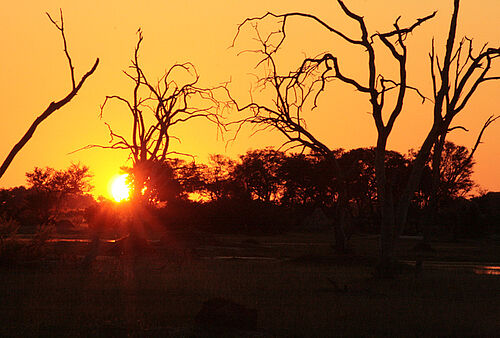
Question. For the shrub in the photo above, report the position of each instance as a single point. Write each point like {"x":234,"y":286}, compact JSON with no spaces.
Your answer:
{"x":13,"y":250}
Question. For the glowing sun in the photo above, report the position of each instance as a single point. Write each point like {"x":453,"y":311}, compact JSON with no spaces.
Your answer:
{"x":120,"y":189}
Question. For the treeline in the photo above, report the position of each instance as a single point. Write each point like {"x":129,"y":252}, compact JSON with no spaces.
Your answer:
{"x":50,"y":195}
{"x":266,"y":191}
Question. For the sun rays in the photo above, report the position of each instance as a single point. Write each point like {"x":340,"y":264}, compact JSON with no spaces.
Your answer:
{"x":120,"y":190}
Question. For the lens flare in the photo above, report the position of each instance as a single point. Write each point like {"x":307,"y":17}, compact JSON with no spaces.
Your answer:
{"x":120,"y":189}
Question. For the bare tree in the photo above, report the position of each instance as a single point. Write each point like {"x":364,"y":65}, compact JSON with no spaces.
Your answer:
{"x":456,"y":176}
{"x":449,"y":99}
{"x":169,"y":102}
{"x":294,"y":89}
{"x":454,"y":82}
{"x":53,"y":106}
{"x":293,"y":93}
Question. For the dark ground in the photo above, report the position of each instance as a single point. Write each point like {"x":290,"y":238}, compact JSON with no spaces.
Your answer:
{"x":293,"y":281}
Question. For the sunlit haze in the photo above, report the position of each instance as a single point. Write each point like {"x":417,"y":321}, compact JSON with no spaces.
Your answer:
{"x":35,"y":73}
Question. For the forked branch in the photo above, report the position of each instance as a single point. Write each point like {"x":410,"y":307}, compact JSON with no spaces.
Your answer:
{"x":60,"y":27}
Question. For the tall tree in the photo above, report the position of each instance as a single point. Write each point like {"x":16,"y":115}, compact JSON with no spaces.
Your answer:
{"x":308,"y":181}
{"x":293,"y":90}
{"x":293,"y":93}
{"x":53,"y":106}
{"x":449,"y":99}
{"x":259,"y":171}
{"x":455,"y":79}
{"x":157,"y":108}
{"x":49,"y":188}
{"x":218,"y":177}
{"x":440,"y":161}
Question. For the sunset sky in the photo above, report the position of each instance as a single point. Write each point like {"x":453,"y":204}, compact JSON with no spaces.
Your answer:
{"x":34,"y":72}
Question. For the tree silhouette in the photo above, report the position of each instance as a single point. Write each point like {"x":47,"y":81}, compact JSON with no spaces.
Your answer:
{"x":308,"y":181}
{"x":49,"y":187}
{"x":160,"y":183}
{"x":155,"y":109}
{"x":461,"y":172}
{"x":259,"y":173}
{"x":292,"y":93}
{"x":450,"y":97}
{"x":218,"y":178}
{"x":309,"y":80}
{"x":53,"y":106}
{"x":455,"y":79}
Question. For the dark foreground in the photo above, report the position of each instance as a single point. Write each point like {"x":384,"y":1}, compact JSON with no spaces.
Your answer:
{"x":293,"y":282}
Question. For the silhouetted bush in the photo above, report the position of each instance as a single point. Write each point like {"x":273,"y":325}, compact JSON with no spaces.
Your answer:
{"x":14,"y":251}
{"x":489,"y":206}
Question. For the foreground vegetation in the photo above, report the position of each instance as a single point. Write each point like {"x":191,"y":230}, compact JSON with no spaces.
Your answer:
{"x":294,"y":282}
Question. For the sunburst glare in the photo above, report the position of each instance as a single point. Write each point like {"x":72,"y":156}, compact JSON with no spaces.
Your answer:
{"x":120,"y":190}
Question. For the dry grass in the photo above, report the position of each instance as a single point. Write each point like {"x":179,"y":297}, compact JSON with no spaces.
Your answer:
{"x":154,"y":296}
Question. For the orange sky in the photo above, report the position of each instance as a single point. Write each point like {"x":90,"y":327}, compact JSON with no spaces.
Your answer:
{"x":34,"y":73}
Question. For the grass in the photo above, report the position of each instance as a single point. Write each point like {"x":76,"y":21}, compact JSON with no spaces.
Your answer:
{"x":154,"y":295}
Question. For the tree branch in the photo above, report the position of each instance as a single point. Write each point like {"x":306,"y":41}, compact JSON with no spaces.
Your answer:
{"x":61,"y":29}
{"x":53,"y":106}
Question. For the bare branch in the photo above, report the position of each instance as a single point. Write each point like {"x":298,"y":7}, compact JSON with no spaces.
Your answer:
{"x":53,"y":106}
{"x":460,"y":170}
{"x":488,"y":122}
{"x":61,"y":29}
{"x":405,"y":31}
{"x":284,"y":18}
{"x":457,"y":127}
